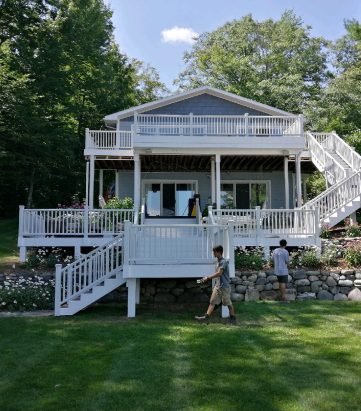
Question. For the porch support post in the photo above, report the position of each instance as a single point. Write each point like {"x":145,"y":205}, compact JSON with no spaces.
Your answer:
{"x":298,"y":180}
{"x":87,"y":183}
{"x":218,"y":180}
{"x":287,"y":185}
{"x":213,"y":180}
{"x":101,"y":182}
{"x":91,"y":182}
{"x":304,"y":191}
{"x":132,"y":293}
{"x":353,"y":219}
{"x":117,"y":180}
{"x":137,"y":297}
{"x":137,"y":172}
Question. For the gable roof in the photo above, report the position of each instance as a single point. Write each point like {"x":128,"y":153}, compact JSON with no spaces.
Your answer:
{"x":234,"y":98}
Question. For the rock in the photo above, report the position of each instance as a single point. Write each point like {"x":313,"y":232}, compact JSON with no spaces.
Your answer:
{"x":324,"y":286}
{"x":331,"y":282}
{"x":269,"y":272}
{"x":241,"y":289}
{"x":304,"y":289}
{"x":354,"y":295}
{"x":251,"y":295}
{"x":291,"y":294}
{"x":259,"y":287}
{"x":313,"y":278}
{"x":312,"y":273}
{"x":237,"y":297}
{"x":315,"y":286}
{"x":261,"y":274}
{"x":271,"y":278}
{"x":299,"y":275}
{"x":268,"y":287}
{"x":347,"y":272}
{"x":345,"y":283}
{"x":167,"y":284}
{"x":334,"y":290}
{"x":276,"y":286}
{"x":252,"y":278}
{"x":335,"y":275}
{"x":340,"y":297}
{"x":303,"y":281}
{"x":261,"y":281}
{"x":358,"y":275}
{"x":345,"y":290}
{"x":324,"y":295}
{"x":357,"y":283}
{"x":236,"y":280}
{"x":269,"y":295}
{"x":191,"y":284}
{"x":164,"y":298}
{"x":177,"y":291}
{"x":342,"y":277}
{"x":306,"y":296}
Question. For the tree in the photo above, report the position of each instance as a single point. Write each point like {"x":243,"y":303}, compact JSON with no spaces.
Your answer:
{"x":274,"y":62}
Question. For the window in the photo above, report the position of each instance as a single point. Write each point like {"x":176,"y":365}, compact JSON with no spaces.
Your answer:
{"x":245,"y":195}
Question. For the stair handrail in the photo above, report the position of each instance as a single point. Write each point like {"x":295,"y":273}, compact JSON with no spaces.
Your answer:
{"x":345,"y":151}
{"x":91,"y":268}
{"x":337,"y":175}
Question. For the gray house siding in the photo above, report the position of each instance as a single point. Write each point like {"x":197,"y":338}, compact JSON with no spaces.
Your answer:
{"x":204,"y":104}
{"x":276,"y":179}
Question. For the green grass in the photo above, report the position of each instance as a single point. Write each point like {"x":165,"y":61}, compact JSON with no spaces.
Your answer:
{"x":301,"y":356}
{"x":8,"y":241}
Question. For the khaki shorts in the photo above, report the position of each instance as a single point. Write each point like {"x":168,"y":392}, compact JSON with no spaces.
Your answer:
{"x":221,"y":295}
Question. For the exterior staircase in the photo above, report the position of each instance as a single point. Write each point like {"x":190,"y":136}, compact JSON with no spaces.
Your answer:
{"x":341,"y":166}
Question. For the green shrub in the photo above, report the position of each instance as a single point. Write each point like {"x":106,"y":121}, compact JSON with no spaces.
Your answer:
{"x":353,"y":254}
{"x":115,"y":202}
{"x":23,"y":294}
{"x":250,"y":259}
{"x":353,"y":230}
{"x":305,"y":257}
{"x":47,"y":257}
{"x":325,"y":231}
{"x":330,"y":255}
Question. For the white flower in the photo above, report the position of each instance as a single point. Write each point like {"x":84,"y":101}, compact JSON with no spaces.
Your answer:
{"x":15,"y":302}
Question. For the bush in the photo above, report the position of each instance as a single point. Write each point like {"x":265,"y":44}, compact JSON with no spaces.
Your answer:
{"x":46,"y":257}
{"x":330,"y":255}
{"x":353,"y":230}
{"x":27,"y":294}
{"x":353,"y":254}
{"x":305,"y":257}
{"x":115,"y":202}
{"x":251,"y":259}
{"x":325,"y":231}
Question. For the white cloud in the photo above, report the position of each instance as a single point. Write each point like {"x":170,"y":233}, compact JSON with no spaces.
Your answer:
{"x":179,"y":35}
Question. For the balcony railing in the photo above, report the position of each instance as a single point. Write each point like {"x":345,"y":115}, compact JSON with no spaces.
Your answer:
{"x":197,"y":126}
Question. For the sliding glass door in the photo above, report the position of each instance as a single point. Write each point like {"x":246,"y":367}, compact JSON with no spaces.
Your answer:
{"x":245,"y":195}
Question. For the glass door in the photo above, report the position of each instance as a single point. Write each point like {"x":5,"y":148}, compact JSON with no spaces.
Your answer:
{"x":152,"y":199}
{"x":184,"y":193}
{"x":245,"y":195}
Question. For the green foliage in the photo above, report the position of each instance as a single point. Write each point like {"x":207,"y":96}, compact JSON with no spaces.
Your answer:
{"x":250,"y":259}
{"x":353,"y":230}
{"x":325,"y":231}
{"x":47,"y":257}
{"x":115,"y":202}
{"x":26,"y":294}
{"x":353,"y":254}
{"x":354,"y":140}
{"x":331,"y":255}
{"x":315,"y":184}
{"x":274,"y":62}
{"x":305,"y":257}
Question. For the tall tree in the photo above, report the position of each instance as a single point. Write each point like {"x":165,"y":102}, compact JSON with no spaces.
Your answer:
{"x":274,"y":62}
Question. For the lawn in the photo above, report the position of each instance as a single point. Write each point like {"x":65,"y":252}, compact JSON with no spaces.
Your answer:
{"x":301,"y":356}
{"x":8,"y":242}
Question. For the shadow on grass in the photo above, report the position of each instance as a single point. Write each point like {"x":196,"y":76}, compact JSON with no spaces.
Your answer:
{"x":295,"y":357}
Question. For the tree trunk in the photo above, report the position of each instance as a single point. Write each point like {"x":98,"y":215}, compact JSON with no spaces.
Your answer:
{"x":31,"y":188}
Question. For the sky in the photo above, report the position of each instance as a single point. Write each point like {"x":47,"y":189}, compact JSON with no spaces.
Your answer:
{"x":158,"y":32}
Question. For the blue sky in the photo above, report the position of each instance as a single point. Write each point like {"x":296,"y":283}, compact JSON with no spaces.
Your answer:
{"x":139,"y":24}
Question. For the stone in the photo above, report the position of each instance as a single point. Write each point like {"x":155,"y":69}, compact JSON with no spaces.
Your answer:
{"x":268,"y":287}
{"x":345,"y":290}
{"x":306,"y":296}
{"x":271,"y":278}
{"x":334,"y":290}
{"x":324,"y":295}
{"x":167,"y":284}
{"x":324,"y":286}
{"x":340,"y":297}
{"x":246,"y":283}
{"x":269,"y":295}
{"x":236,"y":280}
{"x":164,"y":298}
{"x":276,"y":286}
{"x":252,"y":278}
{"x":342,"y":277}
{"x":303,"y":281}
{"x":331,"y":282}
{"x":262,"y":274}
{"x":304,"y":289}
{"x":354,"y":295}
{"x":291,"y":294}
{"x":345,"y":283}
{"x":191,"y":284}
{"x":241,"y":289}
{"x":358,"y":276}
{"x":315,"y":286}
{"x":269,"y":272}
{"x":299,"y":275}
{"x":312,"y":273}
{"x":347,"y":272}
{"x":357,"y":283}
{"x":261,"y":281}
{"x":150,"y":289}
{"x":313,"y":278}
{"x":335,"y":275}
{"x":251,"y":295}
{"x":259,"y":287}
{"x":177,"y":291}
{"x":237,"y":297}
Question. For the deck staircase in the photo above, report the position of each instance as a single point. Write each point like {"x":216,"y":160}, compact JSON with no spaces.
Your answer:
{"x":341,"y":166}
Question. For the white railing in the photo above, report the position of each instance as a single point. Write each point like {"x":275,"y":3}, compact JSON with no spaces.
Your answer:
{"x":72,"y":222}
{"x":87,"y":271}
{"x":212,"y":125}
{"x":336,"y":196}
{"x":259,"y":223}
{"x":334,"y":171}
{"x":175,"y":244}
{"x":108,"y":139}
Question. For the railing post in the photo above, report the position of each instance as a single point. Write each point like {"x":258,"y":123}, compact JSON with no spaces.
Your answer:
{"x":316,"y":216}
{"x":191,"y":124}
{"x":135,"y":123}
{"x":57,"y":299}
{"x":231,"y":249}
{"x":21,"y":221}
{"x":87,"y":139}
{"x":126,"y":246}
{"x":117,"y":139}
{"x":258,"y":225}
{"x":86,"y":222}
{"x":246,"y":125}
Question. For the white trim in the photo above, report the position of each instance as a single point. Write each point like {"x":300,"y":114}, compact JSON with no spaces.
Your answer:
{"x":268,"y":187}
{"x":234,"y":98}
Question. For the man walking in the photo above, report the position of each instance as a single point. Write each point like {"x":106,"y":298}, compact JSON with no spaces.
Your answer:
{"x":222,"y":291}
{"x":280,"y":260}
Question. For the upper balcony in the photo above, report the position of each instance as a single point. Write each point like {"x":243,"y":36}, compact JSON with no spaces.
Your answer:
{"x":163,"y":131}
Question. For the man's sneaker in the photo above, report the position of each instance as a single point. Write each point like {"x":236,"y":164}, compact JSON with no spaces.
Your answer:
{"x":232,"y":319}
{"x":202,"y":318}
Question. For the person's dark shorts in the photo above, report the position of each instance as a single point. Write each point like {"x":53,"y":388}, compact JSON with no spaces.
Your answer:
{"x":282,"y":279}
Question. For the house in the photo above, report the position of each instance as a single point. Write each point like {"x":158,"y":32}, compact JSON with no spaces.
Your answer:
{"x":204,"y":151}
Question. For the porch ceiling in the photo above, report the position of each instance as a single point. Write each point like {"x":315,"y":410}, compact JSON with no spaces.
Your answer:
{"x":158,"y":163}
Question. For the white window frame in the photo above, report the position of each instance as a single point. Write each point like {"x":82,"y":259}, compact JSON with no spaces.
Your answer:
{"x":234,"y":182}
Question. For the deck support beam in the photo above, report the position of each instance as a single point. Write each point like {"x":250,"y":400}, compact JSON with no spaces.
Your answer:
{"x":117,"y":181}
{"x":91,"y":182}
{"x":298,"y":180}
{"x":137,"y":296}
{"x":218,"y":180}
{"x":137,"y":174}
{"x":287,"y":185}
{"x":101,"y":183}
{"x":132,"y":296}
{"x":213,"y":180}
{"x":87,"y":183}
{"x":22,"y":254}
